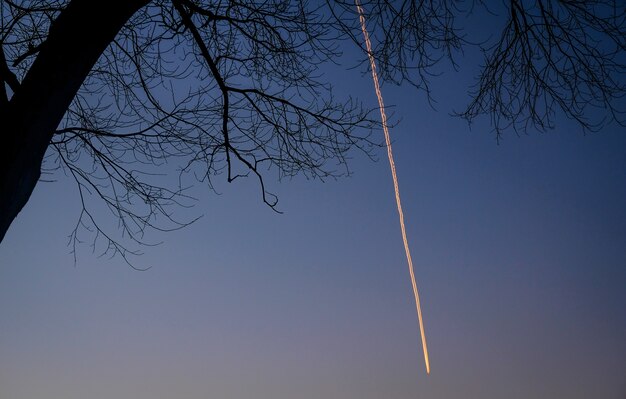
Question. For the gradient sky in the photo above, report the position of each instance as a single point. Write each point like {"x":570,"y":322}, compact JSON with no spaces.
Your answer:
{"x":520,"y":255}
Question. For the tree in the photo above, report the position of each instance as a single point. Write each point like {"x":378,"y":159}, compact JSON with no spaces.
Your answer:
{"x":108,"y":91}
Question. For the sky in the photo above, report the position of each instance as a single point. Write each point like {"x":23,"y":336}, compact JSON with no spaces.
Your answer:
{"x":519,"y":250}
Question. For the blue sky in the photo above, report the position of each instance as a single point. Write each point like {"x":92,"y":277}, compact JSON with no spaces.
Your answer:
{"x":519,"y":256}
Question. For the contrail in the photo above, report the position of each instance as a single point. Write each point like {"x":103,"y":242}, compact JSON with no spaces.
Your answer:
{"x":383,"y":117}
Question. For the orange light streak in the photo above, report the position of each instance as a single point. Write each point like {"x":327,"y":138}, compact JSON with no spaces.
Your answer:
{"x":383,"y":117}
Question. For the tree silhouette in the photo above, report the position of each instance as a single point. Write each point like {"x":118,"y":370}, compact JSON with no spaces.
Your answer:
{"x":110,"y":91}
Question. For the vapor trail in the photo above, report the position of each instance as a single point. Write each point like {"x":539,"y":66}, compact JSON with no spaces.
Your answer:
{"x":383,"y":117}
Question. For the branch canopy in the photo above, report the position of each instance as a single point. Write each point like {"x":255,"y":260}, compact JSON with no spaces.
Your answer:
{"x":115,"y":92}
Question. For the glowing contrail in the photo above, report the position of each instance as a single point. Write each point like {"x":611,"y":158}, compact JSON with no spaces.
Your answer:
{"x":383,"y":117}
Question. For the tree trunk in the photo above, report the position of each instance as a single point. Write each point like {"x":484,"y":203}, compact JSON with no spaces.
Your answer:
{"x":76,"y":40}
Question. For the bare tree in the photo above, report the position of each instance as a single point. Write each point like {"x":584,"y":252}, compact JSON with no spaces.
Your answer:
{"x":565,"y":56}
{"x":110,"y":91}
